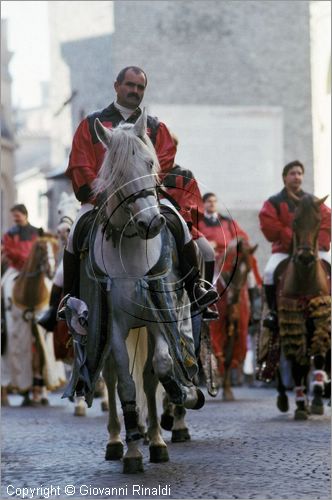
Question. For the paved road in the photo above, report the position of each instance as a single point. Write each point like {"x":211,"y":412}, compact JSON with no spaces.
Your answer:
{"x":244,"y":449}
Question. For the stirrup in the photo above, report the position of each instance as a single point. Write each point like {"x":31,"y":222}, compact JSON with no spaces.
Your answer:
{"x":207,"y":297}
{"x":210,"y":314}
{"x":61,"y":312}
{"x":271,"y":320}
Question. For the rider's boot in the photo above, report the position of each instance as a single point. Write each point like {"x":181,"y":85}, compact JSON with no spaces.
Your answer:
{"x":271,"y":319}
{"x":199,"y":296}
{"x":48,"y":319}
{"x":255,"y":304}
{"x":71,"y":271}
{"x":208,"y":313}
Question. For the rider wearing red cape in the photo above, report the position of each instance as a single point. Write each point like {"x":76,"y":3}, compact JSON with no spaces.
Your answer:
{"x":221,"y":230}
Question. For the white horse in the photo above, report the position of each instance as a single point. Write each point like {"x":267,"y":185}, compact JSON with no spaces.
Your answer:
{"x":132,"y":248}
{"x":68,"y":208}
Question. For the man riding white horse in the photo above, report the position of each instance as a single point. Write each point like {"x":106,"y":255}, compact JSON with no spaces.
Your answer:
{"x":86,"y":158}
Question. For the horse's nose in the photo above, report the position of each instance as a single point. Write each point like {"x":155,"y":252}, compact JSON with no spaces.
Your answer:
{"x":306,"y":257}
{"x":149,"y":230}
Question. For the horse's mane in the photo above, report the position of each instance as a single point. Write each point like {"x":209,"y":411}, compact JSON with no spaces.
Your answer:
{"x":306,"y":204}
{"x":127,"y":151}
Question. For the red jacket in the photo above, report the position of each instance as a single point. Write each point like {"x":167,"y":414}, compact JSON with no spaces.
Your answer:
{"x":220,"y":232}
{"x":17,"y":244}
{"x":183,"y":188}
{"x":276,"y":218}
{"x":88,"y":152}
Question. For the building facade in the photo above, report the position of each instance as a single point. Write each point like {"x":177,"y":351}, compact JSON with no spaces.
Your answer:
{"x":8,"y":145}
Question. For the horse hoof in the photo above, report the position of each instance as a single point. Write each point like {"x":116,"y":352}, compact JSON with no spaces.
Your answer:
{"x":146,"y":439}
{"x":228,"y":396}
{"x":26,"y":401}
{"x":36,"y":404}
{"x":200,"y":400}
{"x":44,"y":402}
{"x":133,"y":465}
{"x":104,"y":406}
{"x":180,"y":435}
{"x":114,"y":451}
{"x":158,"y":454}
{"x":317,"y":409}
{"x":300,"y":415}
{"x":79,"y":411}
{"x":282,"y":403}
{"x":167,"y":421}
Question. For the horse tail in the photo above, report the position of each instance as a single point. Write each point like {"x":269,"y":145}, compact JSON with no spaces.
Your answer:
{"x":137,"y":346}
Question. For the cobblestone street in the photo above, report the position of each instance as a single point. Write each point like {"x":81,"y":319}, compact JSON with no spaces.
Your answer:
{"x":244,"y":449}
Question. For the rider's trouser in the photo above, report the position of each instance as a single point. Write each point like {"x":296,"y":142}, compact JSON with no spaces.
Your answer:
{"x":275,"y":260}
{"x":208,"y":255}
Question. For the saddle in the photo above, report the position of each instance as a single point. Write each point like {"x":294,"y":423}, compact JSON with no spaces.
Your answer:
{"x":82,"y":231}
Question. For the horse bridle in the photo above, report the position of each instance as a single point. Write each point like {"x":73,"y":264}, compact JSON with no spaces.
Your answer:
{"x":114,"y":232}
{"x":308,"y":248}
{"x":66,"y":218}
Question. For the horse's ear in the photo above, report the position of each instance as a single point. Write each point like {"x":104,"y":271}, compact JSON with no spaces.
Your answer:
{"x":141,"y":124}
{"x":103,"y":133}
{"x":253,"y":249}
{"x":320,"y":201}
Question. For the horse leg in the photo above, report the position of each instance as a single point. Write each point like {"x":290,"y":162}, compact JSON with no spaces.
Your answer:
{"x":167,"y":417}
{"x":4,"y":396}
{"x":191,"y":397}
{"x":227,"y":384}
{"x":133,"y":459}
{"x":180,"y":432}
{"x":282,"y":399}
{"x":157,"y":446}
{"x":102,"y":393}
{"x":37,"y":365}
{"x":300,"y":375}
{"x":319,"y":379}
{"x":114,"y":447}
{"x":80,"y":407}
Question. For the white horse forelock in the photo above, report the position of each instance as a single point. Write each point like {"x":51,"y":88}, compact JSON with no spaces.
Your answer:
{"x":129,"y":157}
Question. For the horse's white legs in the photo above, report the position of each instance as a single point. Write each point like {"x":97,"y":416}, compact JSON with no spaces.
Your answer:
{"x":80,"y":406}
{"x":114,"y":448}
{"x":158,"y":447}
{"x":133,"y":459}
{"x":191,"y":397}
{"x":180,"y":432}
{"x":104,"y":398}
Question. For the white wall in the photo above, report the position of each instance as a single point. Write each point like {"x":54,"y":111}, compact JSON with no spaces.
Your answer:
{"x":235,"y":151}
{"x":321,"y":95}
{"x":30,"y":186}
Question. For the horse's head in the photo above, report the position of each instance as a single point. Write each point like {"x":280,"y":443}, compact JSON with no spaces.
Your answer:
{"x":129,"y":176}
{"x":43,"y":256}
{"x":306,"y":224}
{"x":238,"y":264}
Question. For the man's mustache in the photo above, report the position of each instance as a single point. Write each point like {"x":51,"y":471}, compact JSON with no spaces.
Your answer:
{"x":132,"y":94}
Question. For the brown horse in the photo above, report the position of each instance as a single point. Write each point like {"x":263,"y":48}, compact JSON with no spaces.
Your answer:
{"x":29,"y":295}
{"x":225,"y":332}
{"x":304,"y":308}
